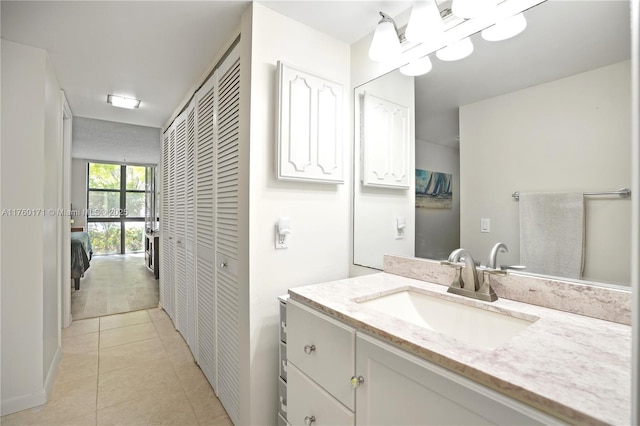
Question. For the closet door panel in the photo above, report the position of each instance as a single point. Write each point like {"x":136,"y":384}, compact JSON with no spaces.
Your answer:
{"x":164,"y":223}
{"x":169,"y":288}
{"x":226,"y":228}
{"x":204,"y":231}
{"x":190,"y":235}
{"x":180,"y":214}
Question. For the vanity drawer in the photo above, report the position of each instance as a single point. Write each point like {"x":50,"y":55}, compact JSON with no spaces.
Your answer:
{"x":323,"y":348}
{"x":307,"y":400}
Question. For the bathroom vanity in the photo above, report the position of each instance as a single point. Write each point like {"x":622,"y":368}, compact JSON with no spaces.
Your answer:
{"x":356,"y":355}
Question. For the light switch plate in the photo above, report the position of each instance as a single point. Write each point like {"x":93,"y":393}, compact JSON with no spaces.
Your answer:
{"x":485,"y":225}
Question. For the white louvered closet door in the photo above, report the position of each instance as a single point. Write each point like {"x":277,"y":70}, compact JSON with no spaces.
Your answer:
{"x":226,"y":227}
{"x":169,"y":256}
{"x":180,"y":218}
{"x":190,"y":222}
{"x":164,"y":221}
{"x":204,"y":215}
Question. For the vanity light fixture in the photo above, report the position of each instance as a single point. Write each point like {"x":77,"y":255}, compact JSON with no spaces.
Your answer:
{"x":506,"y":28}
{"x":455,"y":51}
{"x":418,"y":67}
{"x":122,"y":102}
{"x":425,"y":22}
{"x":386,"y":42}
{"x":468,"y":9}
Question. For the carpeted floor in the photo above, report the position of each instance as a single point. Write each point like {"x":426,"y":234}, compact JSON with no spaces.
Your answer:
{"x":114,"y":284}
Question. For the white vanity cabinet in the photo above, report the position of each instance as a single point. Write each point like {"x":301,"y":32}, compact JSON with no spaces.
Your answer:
{"x":320,"y":364}
{"x":339,"y":376}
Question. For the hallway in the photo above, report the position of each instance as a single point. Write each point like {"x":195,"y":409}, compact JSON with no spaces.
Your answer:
{"x":128,"y":369}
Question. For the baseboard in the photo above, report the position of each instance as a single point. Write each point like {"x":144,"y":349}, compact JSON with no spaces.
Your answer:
{"x":24,"y":402}
{"x":53,"y":371}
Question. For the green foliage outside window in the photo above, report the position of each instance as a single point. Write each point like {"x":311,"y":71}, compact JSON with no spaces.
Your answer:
{"x":106,"y":236}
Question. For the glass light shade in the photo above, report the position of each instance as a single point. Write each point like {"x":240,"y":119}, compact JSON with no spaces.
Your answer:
{"x":385,"y":44}
{"x":468,"y":9}
{"x":122,"y":102}
{"x":418,"y":67}
{"x":455,"y":51}
{"x":506,"y":28}
{"x":424,"y":22}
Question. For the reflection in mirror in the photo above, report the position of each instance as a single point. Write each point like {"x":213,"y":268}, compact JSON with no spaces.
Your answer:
{"x":546,"y":111}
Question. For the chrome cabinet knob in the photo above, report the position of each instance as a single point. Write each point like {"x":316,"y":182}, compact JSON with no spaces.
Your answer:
{"x":223,"y":264}
{"x":309,"y":420}
{"x":309,"y":348}
{"x":356,"y":381}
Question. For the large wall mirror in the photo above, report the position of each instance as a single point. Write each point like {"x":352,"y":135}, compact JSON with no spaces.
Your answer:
{"x":545,"y":111}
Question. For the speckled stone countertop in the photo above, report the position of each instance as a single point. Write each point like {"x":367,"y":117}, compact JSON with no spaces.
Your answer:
{"x":574,"y":367}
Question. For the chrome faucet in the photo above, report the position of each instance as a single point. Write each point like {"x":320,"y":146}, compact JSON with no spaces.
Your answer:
{"x":493,"y":256}
{"x":467,"y":281}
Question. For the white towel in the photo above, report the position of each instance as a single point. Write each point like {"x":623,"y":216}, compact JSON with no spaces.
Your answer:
{"x":552,"y":233}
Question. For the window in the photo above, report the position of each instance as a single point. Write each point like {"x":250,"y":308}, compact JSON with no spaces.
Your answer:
{"x":116,"y":213}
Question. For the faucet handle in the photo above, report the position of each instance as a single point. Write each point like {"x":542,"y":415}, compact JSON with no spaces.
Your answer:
{"x":492,"y":271}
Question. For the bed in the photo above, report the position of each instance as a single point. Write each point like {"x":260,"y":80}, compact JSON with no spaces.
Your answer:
{"x":81,"y":253}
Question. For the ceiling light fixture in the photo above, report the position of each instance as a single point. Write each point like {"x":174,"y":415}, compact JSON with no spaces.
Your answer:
{"x":122,"y":102}
{"x":417,"y":67}
{"x":506,"y":28}
{"x":425,"y":22}
{"x":468,"y":9}
{"x":455,"y":51}
{"x":386,"y":43}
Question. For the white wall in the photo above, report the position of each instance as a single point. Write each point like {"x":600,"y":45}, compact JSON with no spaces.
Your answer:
{"x":79,"y":190}
{"x":438,"y":230}
{"x":28,"y":300}
{"x":568,"y":135}
{"x":52,"y":259}
{"x":121,"y":143}
{"x":375,"y":209}
{"x":319,"y":246}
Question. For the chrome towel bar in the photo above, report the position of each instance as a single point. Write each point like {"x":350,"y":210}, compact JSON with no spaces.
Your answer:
{"x":622,"y":192}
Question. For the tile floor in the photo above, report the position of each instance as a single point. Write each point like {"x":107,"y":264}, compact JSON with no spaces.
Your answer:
{"x":127,"y":369}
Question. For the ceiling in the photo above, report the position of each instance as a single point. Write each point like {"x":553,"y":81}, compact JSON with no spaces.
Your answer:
{"x":154,"y":50}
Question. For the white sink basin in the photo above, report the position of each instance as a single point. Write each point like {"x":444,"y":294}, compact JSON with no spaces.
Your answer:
{"x":469,"y":324}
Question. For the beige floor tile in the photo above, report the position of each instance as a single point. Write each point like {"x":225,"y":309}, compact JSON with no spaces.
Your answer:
{"x":159,"y":408}
{"x":124,"y":320}
{"x":157,"y":314}
{"x":123,"y":335}
{"x":81,"y":327}
{"x":165,"y":328}
{"x":147,"y":377}
{"x":80,"y":344}
{"x":223,"y":420}
{"x":131,"y":354}
{"x":74,"y":366}
{"x":177,"y":349}
{"x":70,"y":403}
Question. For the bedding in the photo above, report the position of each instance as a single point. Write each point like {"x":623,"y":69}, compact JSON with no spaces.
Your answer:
{"x":81,"y":253}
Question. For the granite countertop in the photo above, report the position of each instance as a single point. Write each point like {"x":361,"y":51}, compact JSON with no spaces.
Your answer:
{"x":571,"y":366}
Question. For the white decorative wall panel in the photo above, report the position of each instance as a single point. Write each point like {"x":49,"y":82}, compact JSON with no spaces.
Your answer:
{"x":309,"y":139}
{"x":385,"y":143}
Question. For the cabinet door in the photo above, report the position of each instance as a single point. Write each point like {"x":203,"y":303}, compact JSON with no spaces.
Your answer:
{"x":400,"y":389}
{"x":323,"y":349}
{"x":309,"y":127}
{"x":385,"y":144}
{"x":308,"y":403}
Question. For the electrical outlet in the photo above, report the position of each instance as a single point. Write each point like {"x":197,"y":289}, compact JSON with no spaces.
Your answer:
{"x":281,"y":240}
